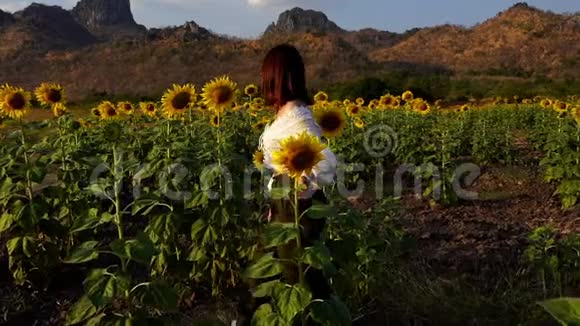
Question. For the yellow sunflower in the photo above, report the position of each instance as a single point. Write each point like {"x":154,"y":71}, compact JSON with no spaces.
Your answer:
{"x":527,"y":101}
{"x":407,"y":96}
{"x":346,"y":102}
{"x":58,"y":110}
{"x":251,"y":90}
{"x":258,"y":101}
{"x":321,"y":97}
{"x":546,"y":103}
{"x":125,"y":107}
{"x":396,"y":103}
{"x":298,"y":155}
{"x":148,"y":108}
{"x":386,"y":101}
{"x":360,"y":101}
{"x":108,"y":110}
{"x":258,"y":126}
{"x":215,"y":121}
{"x":258,"y":159}
{"x":560,"y":106}
{"x":14,"y":102}
{"x":219,"y":93}
{"x":420,"y":106}
{"x":177,"y":100}
{"x":353,"y":110}
{"x":331,"y":120}
{"x":96,"y":112}
{"x":372,"y":106}
{"x":50,"y":94}
{"x":359,"y":123}
{"x":576,"y":114}
{"x":463,"y":108}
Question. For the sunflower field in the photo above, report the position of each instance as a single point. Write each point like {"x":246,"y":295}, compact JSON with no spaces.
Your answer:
{"x":157,"y":205}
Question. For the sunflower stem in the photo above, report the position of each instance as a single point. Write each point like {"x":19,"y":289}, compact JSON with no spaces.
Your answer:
{"x":117,"y":202}
{"x":298,"y":241}
{"x":29,"y":193}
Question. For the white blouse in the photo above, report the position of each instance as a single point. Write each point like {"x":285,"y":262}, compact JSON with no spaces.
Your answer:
{"x":293,"y":122}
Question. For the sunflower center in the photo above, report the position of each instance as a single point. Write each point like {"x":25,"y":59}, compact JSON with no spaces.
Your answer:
{"x":111,"y":111}
{"x":54,"y":95}
{"x":150,"y":107}
{"x":181,"y":100}
{"x":355,"y":110}
{"x":562,"y":106}
{"x":127,"y":107}
{"x":422,"y":107}
{"x":330,"y":122}
{"x":251,"y":91}
{"x":16,"y":101}
{"x":222,"y":94}
{"x":302,"y":160}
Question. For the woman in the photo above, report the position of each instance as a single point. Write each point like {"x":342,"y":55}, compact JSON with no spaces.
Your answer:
{"x":284,"y":89}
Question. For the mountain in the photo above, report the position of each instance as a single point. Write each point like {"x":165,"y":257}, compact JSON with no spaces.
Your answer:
{"x":298,"y":20}
{"x":41,"y":28}
{"x":521,"y":39}
{"x":5,"y":19}
{"x":108,"y":19}
{"x":98,"y":48}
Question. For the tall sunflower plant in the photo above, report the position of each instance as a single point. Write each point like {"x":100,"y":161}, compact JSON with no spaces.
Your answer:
{"x":294,"y":303}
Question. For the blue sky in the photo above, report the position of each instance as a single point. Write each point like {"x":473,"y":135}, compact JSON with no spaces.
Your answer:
{"x":249,"y":18}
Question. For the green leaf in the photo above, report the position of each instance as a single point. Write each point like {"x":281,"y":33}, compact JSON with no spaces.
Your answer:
{"x":6,"y":221}
{"x":102,"y":287}
{"x":87,"y":222}
{"x":319,"y":257}
{"x":197,"y":227}
{"x":156,"y":294}
{"x":280,"y":193}
{"x":80,"y":311}
{"x":141,"y":249}
{"x":83,"y":253}
{"x":14,"y":244}
{"x":267,"y":266}
{"x":332,"y":312}
{"x":264,"y":316}
{"x":318,"y":212}
{"x":564,"y":310}
{"x":291,"y":300}
{"x":264,"y":289}
{"x":277,"y":234}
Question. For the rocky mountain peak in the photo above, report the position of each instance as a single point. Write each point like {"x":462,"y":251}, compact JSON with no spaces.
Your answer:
{"x":5,"y":19}
{"x":107,"y":19}
{"x":298,"y":20}
{"x":190,"y":31}
{"x":53,"y":23}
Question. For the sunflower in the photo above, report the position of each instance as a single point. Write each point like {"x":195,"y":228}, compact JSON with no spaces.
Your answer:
{"x":219,"y":93}
{"x":407,"y":96}
{"x":463,"y":108}
{"x":353,"y":110}
{"x":420,"y":106}
{"x":560,"y":106}
{"x":298,"y":155}
{"x":14,"y":102}
{"x":321,"y":97}
{"x":359,"y":123}
{"x":258,"y":101}
{"x":258,"y":159}
{"x":125,"y":107}
{"x":360,"y":101}
{"x":251,"y":90}
{"x":259,"y":125}
{"x":107,"y":110}
{"x":396,"y":103}
{"x":177,"y":100}
{"x":96,"y":112}
{"x":50,"y":94}
{"x":546,"y":103}
{"x":346,"y":102}
{"x":576,"y":114}
{"x":215,"y":121}
{"x":386,"y":101}
{"x":58,"y":110}
{"x":527,"y":101}
{"x":372,"y":106}
{"x":331,"y":120}
{"x":148,"y":108}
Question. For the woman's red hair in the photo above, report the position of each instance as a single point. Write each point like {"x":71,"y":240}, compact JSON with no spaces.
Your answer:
{"x":283,"y":77}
